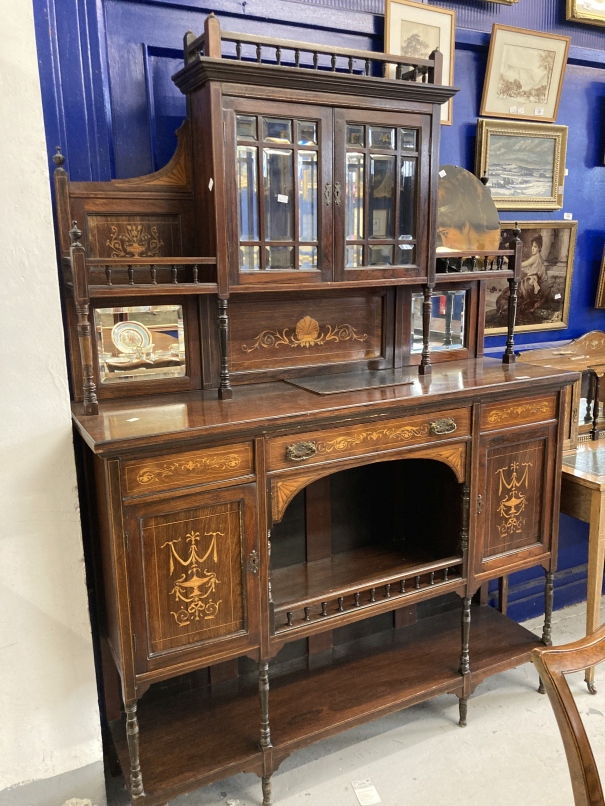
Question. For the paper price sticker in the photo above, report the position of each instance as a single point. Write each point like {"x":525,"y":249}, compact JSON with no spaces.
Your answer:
{"x":521,"y":110}
{"x":512,"y":109}
{"x":567,"y":172}
{"x":442,"y":174}
{"x":567,"y":216}
{"x":281,"y":198}
{"x":557,"y":296}
{"x":539,"y":111}
{"x":366,"y":792}
{"x":211,"y":183}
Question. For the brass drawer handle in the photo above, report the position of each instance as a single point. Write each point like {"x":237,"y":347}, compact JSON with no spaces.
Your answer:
{"x":446,"y":425}
{"x":301,"y":451}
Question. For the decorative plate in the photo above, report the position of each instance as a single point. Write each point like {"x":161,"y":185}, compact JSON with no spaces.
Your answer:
{"x":130,"y":337}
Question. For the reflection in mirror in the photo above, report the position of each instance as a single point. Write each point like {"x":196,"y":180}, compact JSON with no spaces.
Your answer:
{"x":142,"y":342}
{"x":447,"y":321}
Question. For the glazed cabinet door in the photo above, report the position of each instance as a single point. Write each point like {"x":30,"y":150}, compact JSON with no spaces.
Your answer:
{"x":515,"y":499}
{"x":278,"y":163}
{"x":193,"y":577}
{"x":381,"y":194}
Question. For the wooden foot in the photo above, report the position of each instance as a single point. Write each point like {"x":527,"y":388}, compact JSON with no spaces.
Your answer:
{"x":592,"y":689}
{"x":132,"y":735}
{"x":541,"y":688}
{"x":549,"y":590}
{"x":266,"y":782}
{"x":463,"y":710}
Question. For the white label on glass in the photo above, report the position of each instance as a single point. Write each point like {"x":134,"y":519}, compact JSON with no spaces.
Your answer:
{"x":442,"y":174}
{"x":557,"y":296}
{"x":521,"y":110}
{"x":512,"y":109}
{"x":567,"y":172}
{"x":539,"y":111}
{"x":211,"y":183}
{"x":366,"y":792}
{"x":281,"y":198}
{"x":567,"y":216}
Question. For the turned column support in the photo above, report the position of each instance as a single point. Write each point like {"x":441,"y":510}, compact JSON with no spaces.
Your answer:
{"x":225,"y":392}
{"x":513,"y":287}
{"x":425,"y":367}
{"x":265,"y":731}
{"x":77,"y":258}
{"x":132,"y":736}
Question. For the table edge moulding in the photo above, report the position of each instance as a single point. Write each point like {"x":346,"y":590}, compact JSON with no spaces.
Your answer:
{"x":297,"y":468}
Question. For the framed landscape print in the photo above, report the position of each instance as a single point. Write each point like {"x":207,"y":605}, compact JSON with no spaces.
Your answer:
{"x":415,"y":29}
{"x":524,"y":163}
{"x":545,"y":286}
{"x":524,"y":74}
{"x":590,"y":11}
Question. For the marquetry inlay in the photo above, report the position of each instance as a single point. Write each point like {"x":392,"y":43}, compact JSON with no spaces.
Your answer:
{"x":307,"y":333}
{"x":518,"y":412}
{"x":134,"y":240}
{"x":512,"y":482}
{"x":194,"y":589}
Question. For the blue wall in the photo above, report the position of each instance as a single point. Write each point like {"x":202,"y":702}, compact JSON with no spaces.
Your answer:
{"x":108,"y":100}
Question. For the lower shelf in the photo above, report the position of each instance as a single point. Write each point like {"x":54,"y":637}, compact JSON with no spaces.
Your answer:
{"x":191,"y":740}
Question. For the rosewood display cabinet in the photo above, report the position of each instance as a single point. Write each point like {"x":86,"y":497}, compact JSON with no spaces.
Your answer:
{"x":296,"y":461}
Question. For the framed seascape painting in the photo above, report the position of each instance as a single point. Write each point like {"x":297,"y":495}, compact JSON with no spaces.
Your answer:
{"x":416,"y":29}
{"x":524,"y":163}
{"x":589,"y":11}
{"x":545,"y":286}
{"x":524,"y":74}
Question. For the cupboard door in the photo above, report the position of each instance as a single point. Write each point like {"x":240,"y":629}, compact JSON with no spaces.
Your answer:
{"x":194,"y":576}
{"x":381,"y":184}
{"x":516,"y":486}
{"x":279,"y":165}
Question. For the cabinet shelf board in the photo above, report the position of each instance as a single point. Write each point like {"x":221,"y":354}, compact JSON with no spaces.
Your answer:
{"x":190,"y":740}
{"x":346,"y":573}
{"x":465,"y":276}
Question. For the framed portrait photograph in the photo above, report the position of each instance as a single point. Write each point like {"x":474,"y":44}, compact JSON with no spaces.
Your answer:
{"x":600,"y":300}
{"x":589,"y":11}
{"x":524,"y":163}
{"x":524,"y":74}
{"x":415,"y":29}
{"x":545,"y":285}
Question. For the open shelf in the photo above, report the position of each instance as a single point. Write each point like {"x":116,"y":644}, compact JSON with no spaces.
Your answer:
{"x":190,"y":740}
{"x":368,"y":577}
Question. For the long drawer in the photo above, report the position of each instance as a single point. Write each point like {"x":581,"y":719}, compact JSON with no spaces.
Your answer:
{"x":524,"y":411}
{"x":365,"y":438}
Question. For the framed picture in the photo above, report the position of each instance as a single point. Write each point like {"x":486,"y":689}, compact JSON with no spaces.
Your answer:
{"x":524,"y":163}
{"x":415,"y":29}
{"x":600,"y":300}
{"x":524,"y":74}
{"x":590,"y":11}
{"x":545,"y":285}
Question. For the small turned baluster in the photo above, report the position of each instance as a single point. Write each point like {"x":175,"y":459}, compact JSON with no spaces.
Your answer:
{"x":398,"y":72}
{"x":315,"y":59}
{"x":403,"y":586}
{"x":153,"y":270}
{"x":333,"y":62}
{"x":307,"y":616}
{"x":278,"y":55}
{"x":417,"y":582}
{"x":296,"y":57}
{"x":373,"y":594}
{"x":108,"y":275}
{"x":174,"y":274}
{"x":387,"y":591}
{"x":350,"y":64}
{"x":415,"y":74}
{"x":131,"y":274}
{"x":341,"y":604}
{"x":367,"y":67}
{"x":445,"y":574}
{"x":259,"y":53}
{"x":324,"y":608}
{"x":238,"y":50}
{"x":196,"y":270}
{"x":474,"y":263}
{"x":356,"y":595}
{"x":289,"y":617}
{"x":432,"y":578}
{"x":384,"y":69}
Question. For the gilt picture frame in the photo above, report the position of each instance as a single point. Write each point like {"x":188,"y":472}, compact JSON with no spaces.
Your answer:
{"x":587,"y":11}
{"x":524,"y":163}
{"x":600,"y":300}
{"x":416,"y":29}
{"x":544,"y":290}
{"x":524,"y":75}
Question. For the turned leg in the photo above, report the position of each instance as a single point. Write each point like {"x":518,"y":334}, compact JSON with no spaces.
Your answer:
{"x":549,"y":589}
{"x":132,"y":735}
{"x":596,"y":560}
{"x":265,"y":731}
{"x":465,"y":666}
